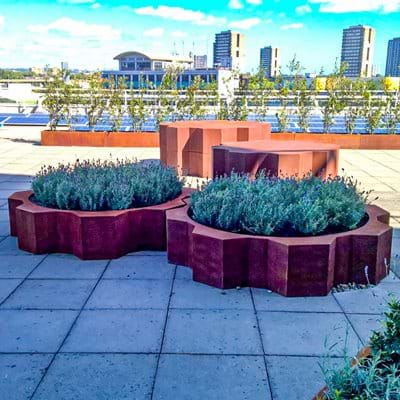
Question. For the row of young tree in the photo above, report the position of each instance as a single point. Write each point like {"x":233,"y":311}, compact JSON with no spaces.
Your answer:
{"x":112,"y":101}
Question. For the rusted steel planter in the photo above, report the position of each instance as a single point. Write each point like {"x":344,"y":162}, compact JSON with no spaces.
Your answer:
{"x":277,"y":157}
{"x":291,"y":266}
{"x":363,"y":353}
{"x":89,"y":235}
{"x":346,"y":141}
{"x":100,"y":139}
{"x":187,"y":145}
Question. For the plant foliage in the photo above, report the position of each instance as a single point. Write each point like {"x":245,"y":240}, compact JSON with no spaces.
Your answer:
{"x":105,"y":185}
{"x":375,"y":377}
{"x":280,"y":206}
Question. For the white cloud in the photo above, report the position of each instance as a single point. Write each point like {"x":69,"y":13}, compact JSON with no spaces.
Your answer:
{"x":76,"y":1}
{"x":179,"y":34}
{"x":268,"y":21}
{"x":245,"y":23}
{"x":77,"y":28}
{"x":346,"y":6}
{"x":180,"y":14}
{"x":301,"y":10}
{"x":95,"y":6}
{"x":297,"y":25}
{"x":2,"y":19}
{"x":235,"y":4}
{"x":254,"y":2}
{"x":155,"y":32}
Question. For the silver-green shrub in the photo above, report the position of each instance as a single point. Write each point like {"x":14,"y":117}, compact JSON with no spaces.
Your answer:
{"x":105,"y":185}
{"x":279,"y":206}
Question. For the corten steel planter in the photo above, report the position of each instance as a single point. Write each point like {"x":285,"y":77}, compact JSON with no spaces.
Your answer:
{"x":100,"y":139}
{"x":291,"y":266}
{"x":346,"y":141}
{"x":363,"y":353}
{"x":187,"y":145}
{"x":277,"y":158}
{"x":89,"y":235}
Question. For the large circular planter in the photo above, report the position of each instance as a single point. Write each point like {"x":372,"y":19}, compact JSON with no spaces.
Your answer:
{"x":89,"y":235}
{"x":100,"y":139}
{"x":345,"y":140}
{"x":291,"y":266}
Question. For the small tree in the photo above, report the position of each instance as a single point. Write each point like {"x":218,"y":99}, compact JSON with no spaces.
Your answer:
{"x":372,"y":111}
{"x":116,"y":103}
{"x":54,"y":101}
{"x":136,"y":108}
{"x":95,"y":99}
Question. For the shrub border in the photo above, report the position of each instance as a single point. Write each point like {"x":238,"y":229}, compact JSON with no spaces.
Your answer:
{"x":89,"y":235}
{"x":296,"y":266}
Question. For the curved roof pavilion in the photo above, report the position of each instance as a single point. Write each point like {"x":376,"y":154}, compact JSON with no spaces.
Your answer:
{"x":140,"y":61}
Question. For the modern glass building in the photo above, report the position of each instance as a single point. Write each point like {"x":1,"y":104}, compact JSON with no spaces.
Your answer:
{"x":229,"y":50}
{"x":143,"y":70}
{"x":393,"y":58}
{"x":270,"y":61}
{"x":358,"y":50}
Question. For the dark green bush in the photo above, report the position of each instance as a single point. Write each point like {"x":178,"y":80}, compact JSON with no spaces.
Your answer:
{"x":376,"y":377}
{"x":105,"y":185}
{"x":279,"y":206}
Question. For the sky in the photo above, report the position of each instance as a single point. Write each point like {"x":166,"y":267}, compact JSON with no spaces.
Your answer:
{"x":88,"y":34}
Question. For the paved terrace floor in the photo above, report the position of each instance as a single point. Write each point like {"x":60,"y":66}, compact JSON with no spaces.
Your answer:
{"x":140,"y":328}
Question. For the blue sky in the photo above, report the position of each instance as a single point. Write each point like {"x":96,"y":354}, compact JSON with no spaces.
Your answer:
{"x":89,"y":33}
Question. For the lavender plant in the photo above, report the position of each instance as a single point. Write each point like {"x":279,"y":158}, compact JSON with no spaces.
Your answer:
{"x":286,"y":206}
{"x":375,"y":377}
{"x":105,"y":185}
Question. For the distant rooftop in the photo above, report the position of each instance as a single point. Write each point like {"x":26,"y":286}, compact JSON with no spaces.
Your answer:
{"x":153,"y":57}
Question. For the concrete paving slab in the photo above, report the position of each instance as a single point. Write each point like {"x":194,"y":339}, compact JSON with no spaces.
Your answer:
{"x":265,"y":300}
{"x":4,"y":228}
{"x":4,"y":217}
{"x":294,"y":378}
{"x":102,"y":331}
{"x":140,"y":267}
{"x":99,"y":376}
{"x":365,"y":324}
{"x":185,"y":273}
{"x":190,"y":294}
{"x":20,"y":374}
{"x":131,"y":294}
{"x":7,"y":286}
{"x":18,"y":266}
{"x":66,"y":266}
{"x":200,"y":377}
{"x":50,"y":294}
{"x":368,"y":301}
{"x":306,"y":334}
{"x":34,"y":331}
{"x":212,"y":332}
{"x":9,"y":246}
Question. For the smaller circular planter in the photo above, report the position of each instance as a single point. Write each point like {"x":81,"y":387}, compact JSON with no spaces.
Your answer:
{"x":89,"y":235}
{"x":291,"y":266}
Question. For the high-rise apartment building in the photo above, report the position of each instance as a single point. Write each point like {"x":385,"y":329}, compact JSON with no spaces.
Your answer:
{"x":200,"y":62}
{"x":358,"y":50}
{"x":229,"y":50}
{"x":270,"y":61}
{"x":393,"y":58}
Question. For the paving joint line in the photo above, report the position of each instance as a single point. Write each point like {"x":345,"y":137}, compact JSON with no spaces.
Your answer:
{"x":262,"y":344}
{"x":163,"y":335}
{"x":68,"y":333}
{"x":22,"y":281}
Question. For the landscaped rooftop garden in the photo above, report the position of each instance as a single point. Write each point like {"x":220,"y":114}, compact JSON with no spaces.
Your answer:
{"x":105,"y":185}
{"x":286,"y":206}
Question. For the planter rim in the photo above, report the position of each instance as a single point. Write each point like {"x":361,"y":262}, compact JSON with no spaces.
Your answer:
{"x":27,"y":204}
{"x":371,"y":225}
